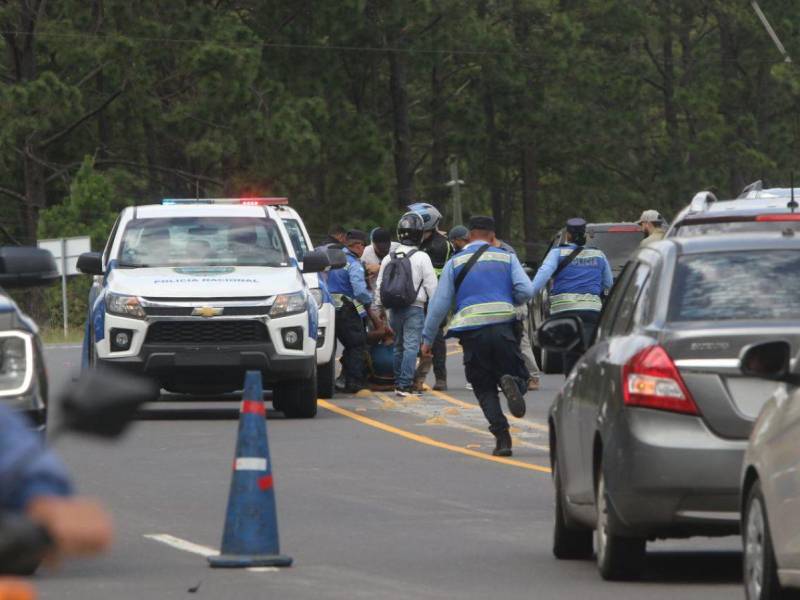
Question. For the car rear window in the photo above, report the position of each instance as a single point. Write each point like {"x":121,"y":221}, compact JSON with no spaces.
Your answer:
{"x":689,"y":229}
{"x":616,"y":245}
{"x":746,"y":285}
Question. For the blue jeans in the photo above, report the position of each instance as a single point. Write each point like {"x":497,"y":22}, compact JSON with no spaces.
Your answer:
{"x":407,"y":324}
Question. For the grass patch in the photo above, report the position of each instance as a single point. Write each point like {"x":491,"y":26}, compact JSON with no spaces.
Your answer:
{"x":56,"y":336}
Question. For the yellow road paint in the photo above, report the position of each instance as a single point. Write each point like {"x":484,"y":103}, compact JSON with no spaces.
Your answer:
{"x":363,"y":394}
{"x":473,"y":445}
{"x":437,"y":420}
{"x":451,"y":400}
{"x":430,"y":441}
{"x":389,"y":403}
{"x":452,"y":411}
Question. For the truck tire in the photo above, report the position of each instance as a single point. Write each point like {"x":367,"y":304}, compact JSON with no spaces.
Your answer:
{"x":297,"y":399}
{"x":326,"y":377}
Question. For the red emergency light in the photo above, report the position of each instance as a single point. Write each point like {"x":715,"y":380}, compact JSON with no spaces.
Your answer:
{"x":778,"y":217}
{"x":264,"y":201}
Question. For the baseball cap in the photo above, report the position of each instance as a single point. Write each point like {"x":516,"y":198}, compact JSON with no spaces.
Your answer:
{"x":459,"y":232}
{"x":650,"y":216}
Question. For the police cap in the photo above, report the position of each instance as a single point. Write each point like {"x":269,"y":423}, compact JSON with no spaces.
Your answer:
{"x":576,"y":225}
{"x":481,"y":222}
{"x":356,"y":235}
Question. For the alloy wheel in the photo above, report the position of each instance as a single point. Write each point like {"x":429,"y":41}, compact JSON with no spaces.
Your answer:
{"x":754,"y":549}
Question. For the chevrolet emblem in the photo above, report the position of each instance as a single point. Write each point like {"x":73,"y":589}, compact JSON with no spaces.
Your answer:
{"x":207,"y":311}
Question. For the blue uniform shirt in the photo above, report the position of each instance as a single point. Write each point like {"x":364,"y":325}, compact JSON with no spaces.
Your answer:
{"x":550,"y":265}
{"x":350,"y":280}
{"x":27,"y":468}
{"x":444,"y":297}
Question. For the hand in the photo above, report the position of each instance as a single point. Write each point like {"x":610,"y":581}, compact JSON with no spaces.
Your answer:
{"x":78,"y":526}
{"x":426,"y":351}
{"x":372,"y":269}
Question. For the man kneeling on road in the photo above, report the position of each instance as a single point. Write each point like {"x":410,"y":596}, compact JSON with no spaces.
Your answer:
{"x":485,"y":283}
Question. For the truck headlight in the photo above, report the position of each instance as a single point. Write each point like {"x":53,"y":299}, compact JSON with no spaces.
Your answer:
{"x":16,"y":362}
{"x":288,"y":304}
{"x":124,"y":306}
{"x":316,"y":293}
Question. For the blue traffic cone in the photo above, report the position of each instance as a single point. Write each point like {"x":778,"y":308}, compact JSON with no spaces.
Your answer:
{"x":250,"y":538}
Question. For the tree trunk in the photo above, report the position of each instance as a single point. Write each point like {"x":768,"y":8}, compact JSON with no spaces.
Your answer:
{"x":530,"y":198}
{"x":438,"y":195}
{"x":402,"y":129}
{"x":492,"y":168}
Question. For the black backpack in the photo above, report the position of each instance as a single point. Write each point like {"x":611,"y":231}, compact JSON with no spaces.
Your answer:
{"x":397,"y":283}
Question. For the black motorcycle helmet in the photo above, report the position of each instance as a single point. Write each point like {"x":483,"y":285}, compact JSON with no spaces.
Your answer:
{"x":410,"y":228}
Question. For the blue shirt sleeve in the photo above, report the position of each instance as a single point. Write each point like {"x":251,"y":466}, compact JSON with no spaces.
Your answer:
{"x":440,"y":304}
{"x":27,"y":468}
{"x":523,"y":286}
{"x":547,"y":269}
{"x":360,"y":290}
{"x":608,"y":276}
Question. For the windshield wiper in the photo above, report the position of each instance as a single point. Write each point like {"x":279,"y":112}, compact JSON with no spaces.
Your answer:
{"x":127,"y":265}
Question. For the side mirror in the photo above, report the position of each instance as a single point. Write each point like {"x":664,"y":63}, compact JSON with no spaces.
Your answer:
{"x":23,"y":266}
{"x":561,"y":334}
{"x":315,"y":262}
{"x":104,"y":401}
{"x":91,"y":263}
{"x":337,"y":258}
{"x":768,"y":360}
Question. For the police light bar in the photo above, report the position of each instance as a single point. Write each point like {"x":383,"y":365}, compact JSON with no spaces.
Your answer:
{"x":255,"y":201}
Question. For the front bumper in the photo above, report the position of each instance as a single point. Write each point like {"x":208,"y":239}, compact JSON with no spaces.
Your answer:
{"x":668,"y":475}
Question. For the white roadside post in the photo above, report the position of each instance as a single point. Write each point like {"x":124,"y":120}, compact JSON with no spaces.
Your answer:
{"x":456,"y":184}
{"x":66,"y":252}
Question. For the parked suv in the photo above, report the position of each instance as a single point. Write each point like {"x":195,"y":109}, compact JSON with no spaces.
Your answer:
{"x":648,"y":433}
{"x":618,"y":241}
{"x":756,"y":209}
{"x":23,"y":379}
{"x":194,"y":293}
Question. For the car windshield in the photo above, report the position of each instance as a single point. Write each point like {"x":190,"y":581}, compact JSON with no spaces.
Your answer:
{"x":616,"y":245}
{"x":689,"y":229}
{"x":207,"y":241}
{"x":746,"y":285}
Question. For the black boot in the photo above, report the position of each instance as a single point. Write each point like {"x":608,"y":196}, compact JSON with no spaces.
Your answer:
{"x":503,"y":446}
{"x":514,"y":390}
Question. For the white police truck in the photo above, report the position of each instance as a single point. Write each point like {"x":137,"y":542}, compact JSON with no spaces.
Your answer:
{"x":195,"y":292}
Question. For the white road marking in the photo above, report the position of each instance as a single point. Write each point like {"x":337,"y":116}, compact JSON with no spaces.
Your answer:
{"x":63,"y":345}
{"x":191,"y":547}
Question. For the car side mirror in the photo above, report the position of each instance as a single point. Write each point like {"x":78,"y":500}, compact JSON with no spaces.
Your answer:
{"x":104,"y":401}
{"x":768,"y":360}
{"x":315,"y":262}
{"x":561,"y":334}
{"x":25,"y":266}
{"x":337,"y":258}
{"x":91,"y":263}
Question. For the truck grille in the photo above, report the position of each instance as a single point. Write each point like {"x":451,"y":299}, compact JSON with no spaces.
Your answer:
{"x":207,"y":332}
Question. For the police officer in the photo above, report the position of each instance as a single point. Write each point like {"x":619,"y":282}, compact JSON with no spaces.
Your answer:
{"x":34,"y":483}
{"x":485,"y":283}
{"x":436,"y":245}
{"x":351,"y":297}
{"x":579,"y":286}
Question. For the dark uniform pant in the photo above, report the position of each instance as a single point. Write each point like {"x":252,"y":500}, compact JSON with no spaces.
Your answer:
{"x":489,"y":353}
{"x":351,"y":334}
{"x":590,"y":319}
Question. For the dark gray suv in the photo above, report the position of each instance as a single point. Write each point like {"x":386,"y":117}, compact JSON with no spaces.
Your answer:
{"x":648,"y":433}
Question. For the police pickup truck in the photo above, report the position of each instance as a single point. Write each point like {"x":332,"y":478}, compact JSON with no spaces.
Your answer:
{"x":196,"y":292}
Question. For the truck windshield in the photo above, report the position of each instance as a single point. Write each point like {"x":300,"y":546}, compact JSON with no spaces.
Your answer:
{"x":745,"y":285}
{"x":206,"y":241}
{"x":616,"y":245}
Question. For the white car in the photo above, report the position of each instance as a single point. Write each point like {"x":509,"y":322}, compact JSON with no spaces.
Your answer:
{"x":771,"y":479}
{"x":195,"y":293}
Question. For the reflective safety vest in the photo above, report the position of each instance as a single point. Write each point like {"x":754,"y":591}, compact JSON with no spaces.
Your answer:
{"x":339,"y":285}
{"x":486,"y":296}
{"x":580,"y":284}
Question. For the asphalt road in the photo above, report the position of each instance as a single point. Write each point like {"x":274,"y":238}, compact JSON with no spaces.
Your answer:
{"x":378,"y":497}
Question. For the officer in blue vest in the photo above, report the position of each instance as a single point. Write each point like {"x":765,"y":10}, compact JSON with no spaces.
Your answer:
{"x":483,"y":284}
{"x":351,"y":297}
{"x":579,"y":287}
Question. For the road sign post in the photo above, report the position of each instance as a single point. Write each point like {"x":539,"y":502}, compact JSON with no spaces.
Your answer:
{"x":66,"y":251}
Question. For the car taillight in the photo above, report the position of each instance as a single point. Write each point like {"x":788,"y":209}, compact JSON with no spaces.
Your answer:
{"x":778,"y":218}
{"x":651,"y":380}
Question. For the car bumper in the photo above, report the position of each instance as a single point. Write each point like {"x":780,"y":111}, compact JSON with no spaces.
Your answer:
{"x":668,"y":475}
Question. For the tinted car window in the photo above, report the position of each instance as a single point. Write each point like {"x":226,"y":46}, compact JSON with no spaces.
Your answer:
{"x":613,"y":301}
{"x":628,"y":303}
{"x":616,"y":245}
{"x":689,"y":229}
{"x":745,"y":285}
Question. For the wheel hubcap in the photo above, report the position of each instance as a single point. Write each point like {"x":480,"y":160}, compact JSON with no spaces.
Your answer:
{"x":601,"y":531}
{"x":754,"y":550}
